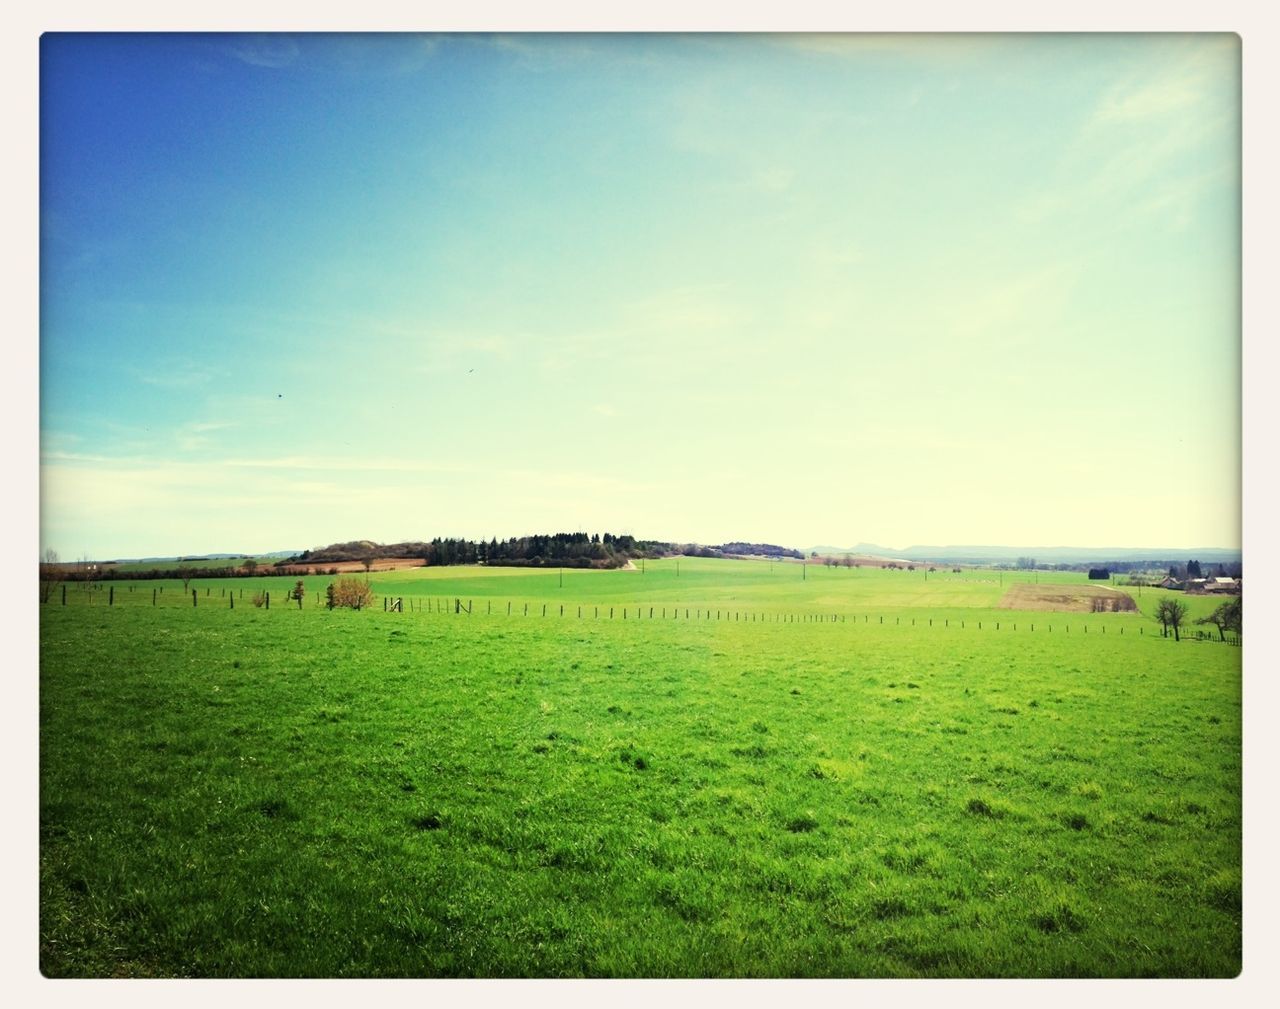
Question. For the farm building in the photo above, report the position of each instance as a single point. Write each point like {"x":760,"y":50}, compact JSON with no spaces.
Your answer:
{"x":1230,"y":586}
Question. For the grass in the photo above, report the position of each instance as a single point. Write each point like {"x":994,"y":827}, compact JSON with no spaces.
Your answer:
{"x":315,"y":793}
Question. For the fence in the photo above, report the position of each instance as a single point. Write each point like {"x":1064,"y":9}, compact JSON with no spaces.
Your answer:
{"x":456,"y":606}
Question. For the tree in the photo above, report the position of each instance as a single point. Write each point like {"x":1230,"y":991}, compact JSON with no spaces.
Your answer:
{"x":299,"y":590}
{"x":1193,"y":569}
{"x":185,"y":574}
{"x":51,"y":572}
{"x":250,"y":565}
{"x":1226,"y":617}
{"x":1171,"y":614}
{"x":367,"y":562}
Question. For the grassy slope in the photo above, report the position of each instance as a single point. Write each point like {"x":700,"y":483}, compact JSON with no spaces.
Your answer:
{"x":315,"y":793}
{"x":767,"y":590}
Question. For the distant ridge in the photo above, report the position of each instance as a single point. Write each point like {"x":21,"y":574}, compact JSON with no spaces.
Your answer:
{"x":176,"y":558}
{"x":1050,"y":555}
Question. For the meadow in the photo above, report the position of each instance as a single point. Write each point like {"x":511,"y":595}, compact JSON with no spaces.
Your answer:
{"x":816,"y":772}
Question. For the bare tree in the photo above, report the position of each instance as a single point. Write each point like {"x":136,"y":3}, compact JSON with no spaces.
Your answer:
{"x":1171,"y":615}
{"x":185,"y":574}
{"x":51,"y":572}
{"x":1226,"y":617}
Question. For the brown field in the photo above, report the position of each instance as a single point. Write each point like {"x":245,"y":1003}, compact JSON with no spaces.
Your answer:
{"x":344,"y":567}
{"x":1065,"y":598}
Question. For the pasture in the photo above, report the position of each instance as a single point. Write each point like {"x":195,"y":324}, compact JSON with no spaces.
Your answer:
{"x":824,"y":772}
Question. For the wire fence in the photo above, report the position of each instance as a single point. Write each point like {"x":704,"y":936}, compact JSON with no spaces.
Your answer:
{"x":232,"y":599}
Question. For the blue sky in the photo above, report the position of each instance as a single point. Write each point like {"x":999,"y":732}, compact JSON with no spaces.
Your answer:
{"x":963,"y":289}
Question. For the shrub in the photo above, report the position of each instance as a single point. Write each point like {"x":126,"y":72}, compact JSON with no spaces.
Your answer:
{"x":351,"y":592}
{"x":259,"y":598}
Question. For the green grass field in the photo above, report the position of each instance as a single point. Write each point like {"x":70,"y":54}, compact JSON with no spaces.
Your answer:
{"x":832,"y":779}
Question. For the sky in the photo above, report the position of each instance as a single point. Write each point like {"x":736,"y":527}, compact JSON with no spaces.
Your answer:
{"x":807,"y":290}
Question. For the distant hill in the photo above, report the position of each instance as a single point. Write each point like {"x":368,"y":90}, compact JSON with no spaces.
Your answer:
{"x":178,"y":558}
{"x":1043,"y":555}
{"x":740,"y":549}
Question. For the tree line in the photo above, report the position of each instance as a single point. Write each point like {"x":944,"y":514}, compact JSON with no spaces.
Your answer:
{"x":570,"y":550}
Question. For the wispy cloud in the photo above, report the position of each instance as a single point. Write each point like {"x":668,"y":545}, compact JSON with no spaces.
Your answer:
{"x":1154,"y":142}
{"x":271,"y":51}
{"x":179,"y":374}
{"x":932,"y":49}
{"x":1188,"y":81}
{"x":195,"y":436}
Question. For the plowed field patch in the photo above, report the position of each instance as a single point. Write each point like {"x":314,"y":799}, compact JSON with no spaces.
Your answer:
{"x":1067,"y":599}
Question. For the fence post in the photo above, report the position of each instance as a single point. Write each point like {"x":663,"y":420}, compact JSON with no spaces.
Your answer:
{"x":64,"y":596}
{"x":233,"y":600}
{"x":111,"y":596}
{"x":268,"y":600}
